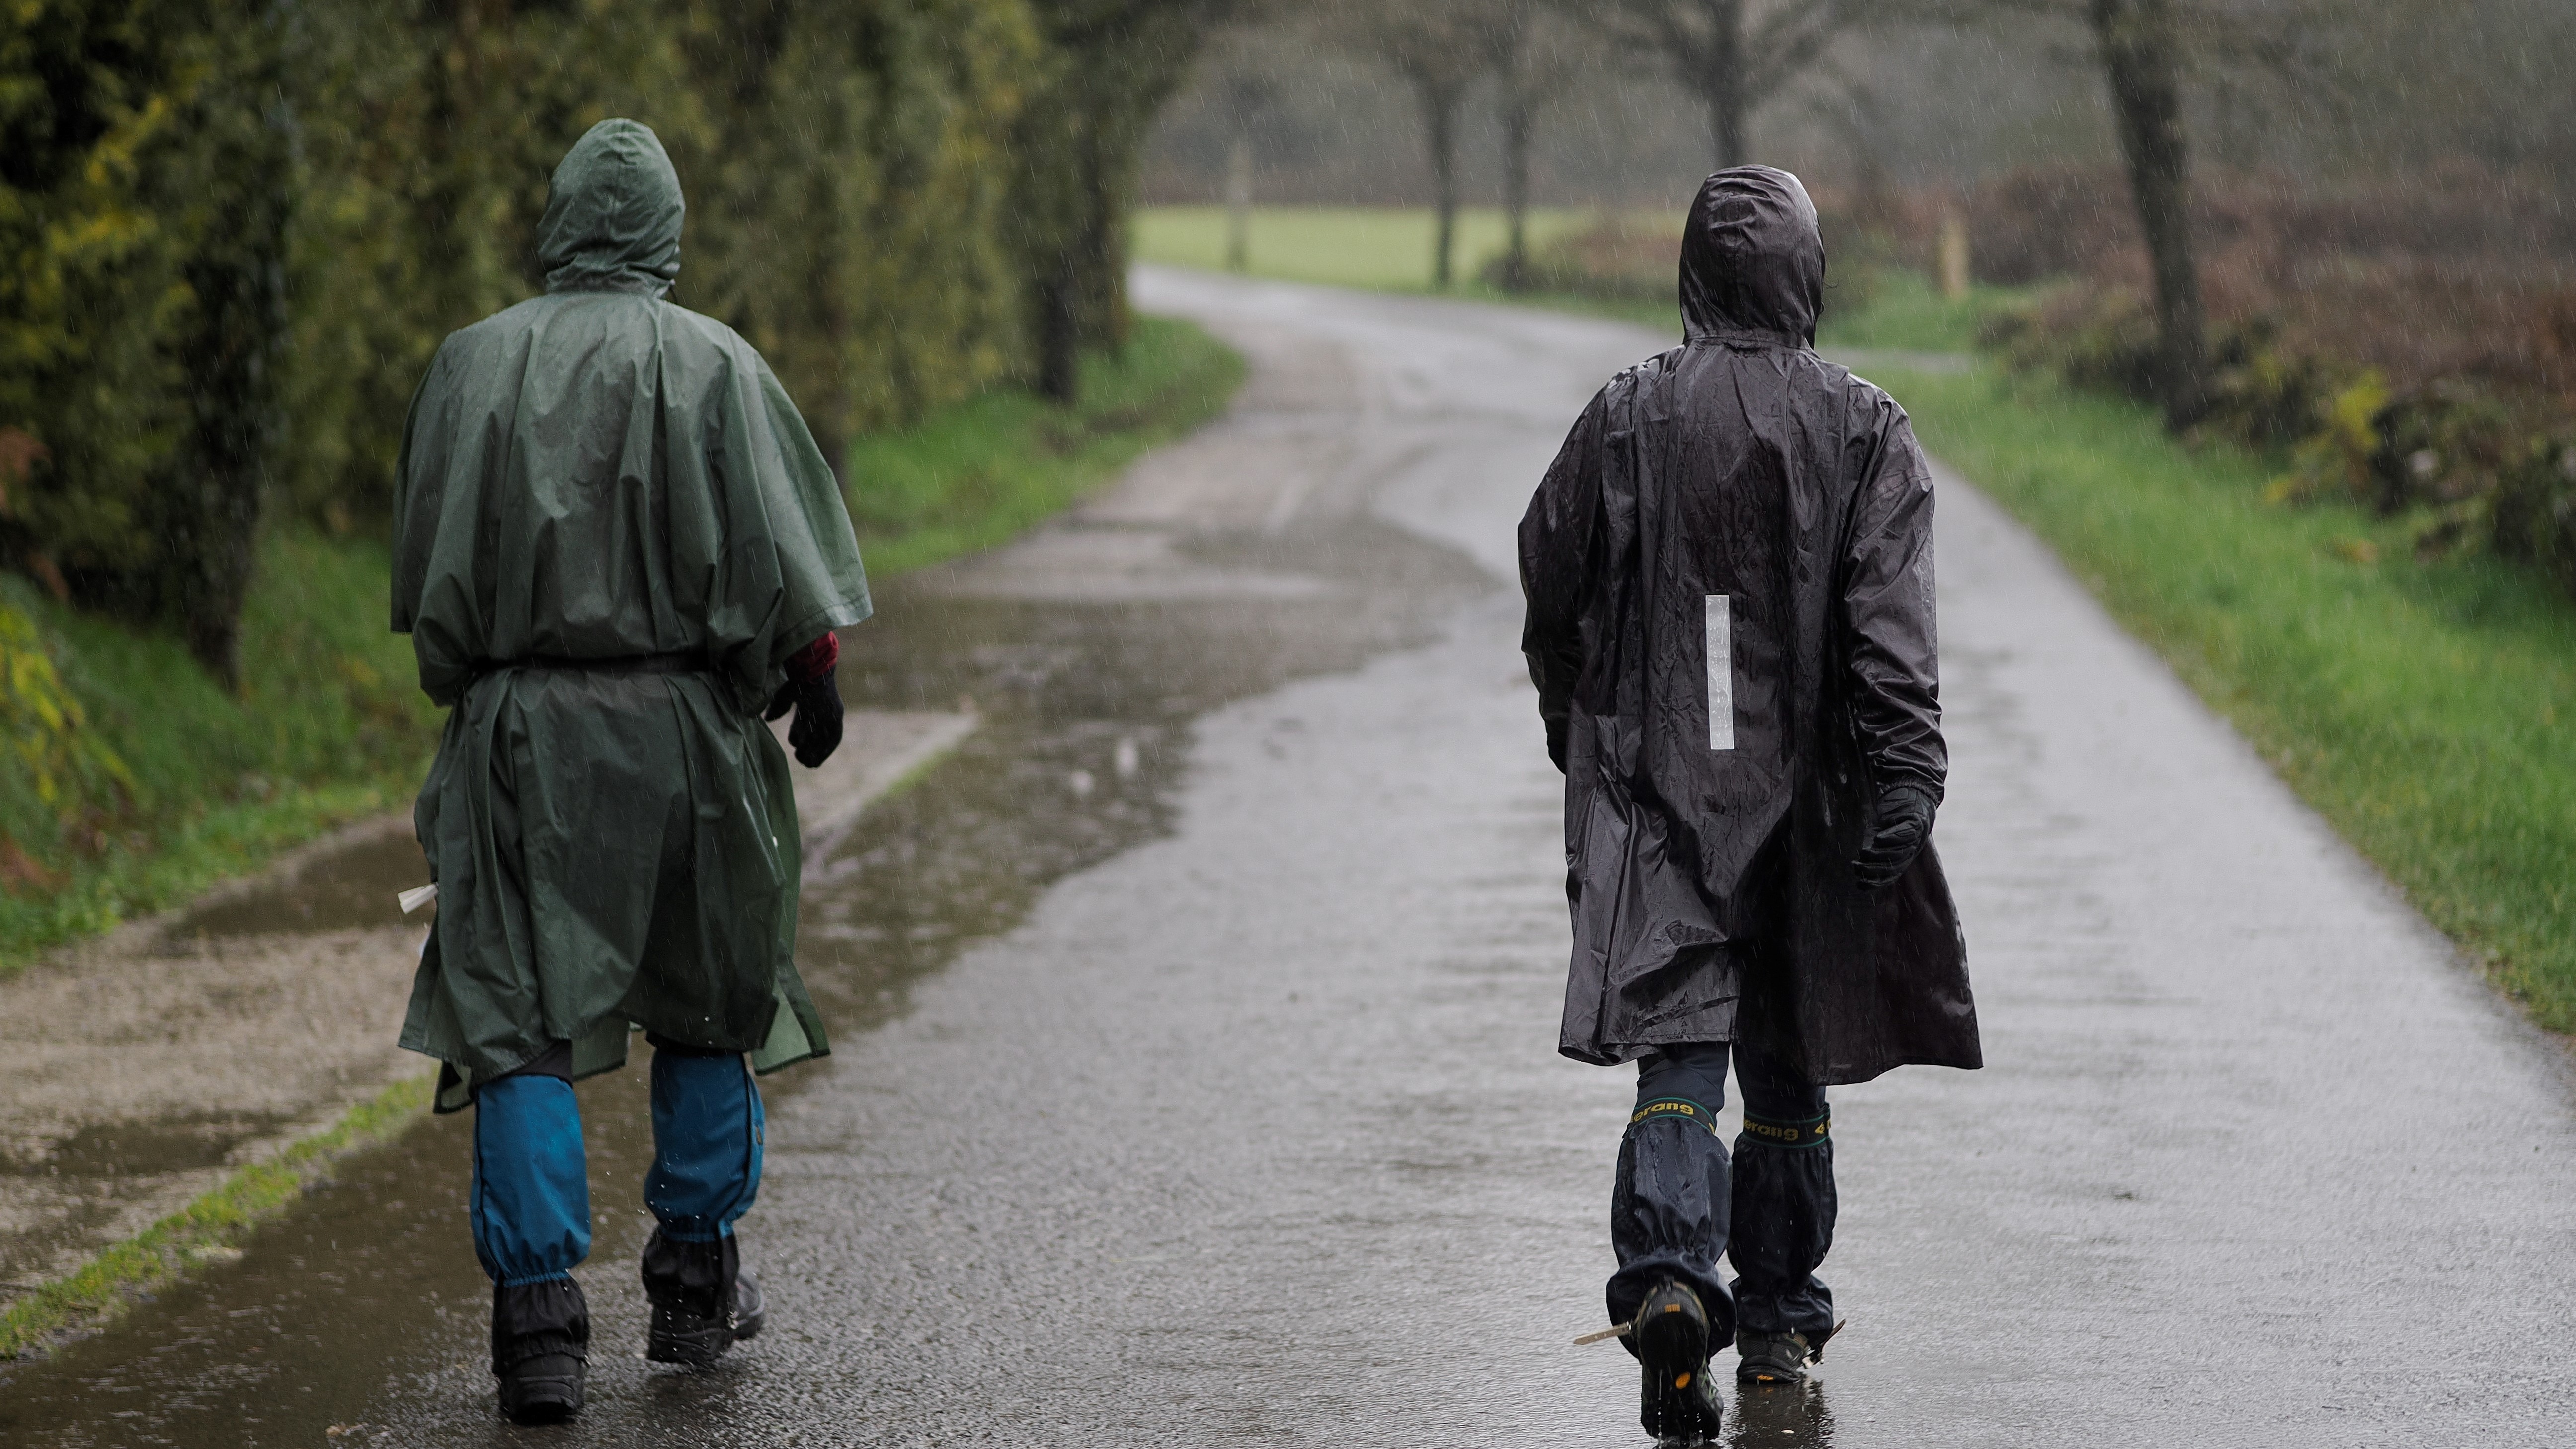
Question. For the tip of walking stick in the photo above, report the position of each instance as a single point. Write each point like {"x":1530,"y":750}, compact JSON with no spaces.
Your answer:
{"x":1615,"y":1331}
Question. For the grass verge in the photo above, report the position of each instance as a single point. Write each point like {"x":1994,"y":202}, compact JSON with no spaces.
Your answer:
{"x":981,"y":472}
{"x":206,"y":1229}
{"x":2421,"y":704}
{"x":1377,"y":247}
{"x":329,"y":726}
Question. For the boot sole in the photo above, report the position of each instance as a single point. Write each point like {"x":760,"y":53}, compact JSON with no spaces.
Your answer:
{"x":1674,"y":1351}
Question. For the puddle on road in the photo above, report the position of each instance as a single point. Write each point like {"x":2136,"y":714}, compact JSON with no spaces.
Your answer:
{"x":146,"y":1149}
{"x":348,"y":889}
{"x":366,"y":1293}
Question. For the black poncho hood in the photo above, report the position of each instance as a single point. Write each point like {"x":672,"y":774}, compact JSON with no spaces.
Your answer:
{"x":613,"y":214}
{"x":1752,"y":258}
{"x":1731,"y":627}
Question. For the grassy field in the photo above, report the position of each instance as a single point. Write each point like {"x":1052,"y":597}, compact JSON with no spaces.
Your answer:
{"x":1387,"y":249}
{"x":329,"y":726}
{"x":1382,"y":248}
{"x":2423,"y":705}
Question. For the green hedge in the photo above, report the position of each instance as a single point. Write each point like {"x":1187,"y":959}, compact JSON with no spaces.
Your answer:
{"x":233,"y":231}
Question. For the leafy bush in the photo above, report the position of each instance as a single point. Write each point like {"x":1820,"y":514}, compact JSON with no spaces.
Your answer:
{"x":2411,"y":344}
{"x":1615,"y":259}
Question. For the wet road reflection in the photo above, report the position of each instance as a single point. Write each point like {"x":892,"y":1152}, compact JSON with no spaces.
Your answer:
{"x":366,"y":1296}
{"x":1781,"y":1416}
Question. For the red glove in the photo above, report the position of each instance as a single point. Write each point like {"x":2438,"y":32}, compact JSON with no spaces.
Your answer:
{"x":813,"y":690}
{"x":816,"y":659}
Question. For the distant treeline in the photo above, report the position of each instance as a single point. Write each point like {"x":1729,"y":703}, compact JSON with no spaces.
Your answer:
{"x":233,"y":231}
{"x":2407,"y":341}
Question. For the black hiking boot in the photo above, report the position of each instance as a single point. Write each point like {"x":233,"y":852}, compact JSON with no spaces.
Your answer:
{"x":1778,"y":1358}
{"x":1671,"y":1338}
{"x":703,"y":1303}
{"x":540,"y":1349}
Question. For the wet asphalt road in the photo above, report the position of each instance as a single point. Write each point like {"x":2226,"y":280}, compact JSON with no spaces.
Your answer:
{"x":1195,"y":1078}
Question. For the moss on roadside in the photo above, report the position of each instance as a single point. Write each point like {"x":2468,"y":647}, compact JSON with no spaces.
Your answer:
{"x":205,"y":1230}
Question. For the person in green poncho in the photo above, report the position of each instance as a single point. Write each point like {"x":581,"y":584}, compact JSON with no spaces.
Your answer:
{"x":616,"y":549}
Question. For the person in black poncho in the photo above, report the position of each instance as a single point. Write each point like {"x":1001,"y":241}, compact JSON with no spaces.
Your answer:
{"x":1728,"y":571}
{"x":616,"y":547}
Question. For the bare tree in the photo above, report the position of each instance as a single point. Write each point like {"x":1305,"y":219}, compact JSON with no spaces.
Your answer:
{"x":1439,"y":48}
{"x":2145,"y":48}
{"x":1535,"y":50}
{"x":1732,"y":56}
{"x":2142,"y":64}
{"x":1110,"y":65}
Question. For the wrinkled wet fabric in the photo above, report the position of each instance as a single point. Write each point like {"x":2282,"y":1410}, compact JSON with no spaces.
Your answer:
{"x":1683,"y":1201}
{"x":529,"y":1202}
{"x":611,"y":530}
{"x":1728,"y":570}
{"x":708,"y":1128}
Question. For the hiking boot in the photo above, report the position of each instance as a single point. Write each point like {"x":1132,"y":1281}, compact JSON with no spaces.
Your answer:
{"x":1681,"y":1405}
{"x":1778,"y":1358}
{"x":703,"y":1303}
{"x":540,"y":1349}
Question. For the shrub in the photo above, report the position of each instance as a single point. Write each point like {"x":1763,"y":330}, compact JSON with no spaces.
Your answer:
{"x":1616,"y":258}
{"x":2410,"y":342}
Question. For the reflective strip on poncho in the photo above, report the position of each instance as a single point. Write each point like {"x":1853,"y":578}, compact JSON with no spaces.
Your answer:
{"x":1729,"y":577}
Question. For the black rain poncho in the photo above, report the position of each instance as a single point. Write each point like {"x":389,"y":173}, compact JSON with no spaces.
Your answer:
{"x":1729,"y":577}
{"x":610,"y":530}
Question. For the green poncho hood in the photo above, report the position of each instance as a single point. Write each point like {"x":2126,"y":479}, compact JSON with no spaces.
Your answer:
{"x":611,"y":528}
{"x":613,"y":214}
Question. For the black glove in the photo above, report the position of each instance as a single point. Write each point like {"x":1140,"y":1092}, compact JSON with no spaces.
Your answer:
{"x":817,"y":702}
{"x":1899,"y":822}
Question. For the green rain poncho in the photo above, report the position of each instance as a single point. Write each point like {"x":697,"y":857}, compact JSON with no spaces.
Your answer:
{"x":610,"y":530}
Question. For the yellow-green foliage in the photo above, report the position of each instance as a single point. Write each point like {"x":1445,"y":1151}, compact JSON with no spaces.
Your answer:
{"x":2336,"y":458}
{"x":846,"y":210}
{"x":45,"y":733}
{"x":136,"y":141}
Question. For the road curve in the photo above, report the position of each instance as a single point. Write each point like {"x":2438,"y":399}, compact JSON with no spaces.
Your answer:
{"x":1251,"y":1129}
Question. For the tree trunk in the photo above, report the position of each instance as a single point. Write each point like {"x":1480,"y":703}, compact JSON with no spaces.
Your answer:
{"x":2140,"y":64}
{"x":234,"y":350}
{"x":1100,"y":266}
{"x":1440,"y":127}
{"x":1723,"y":82}
{"x":465,"y":266}
{"x":1520,"y":119}
{"x":1238,"y":204}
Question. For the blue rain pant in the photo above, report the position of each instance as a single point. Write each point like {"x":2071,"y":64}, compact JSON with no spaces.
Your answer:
{"x":531,"y":1192}
{"x":1683,"y":1200}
